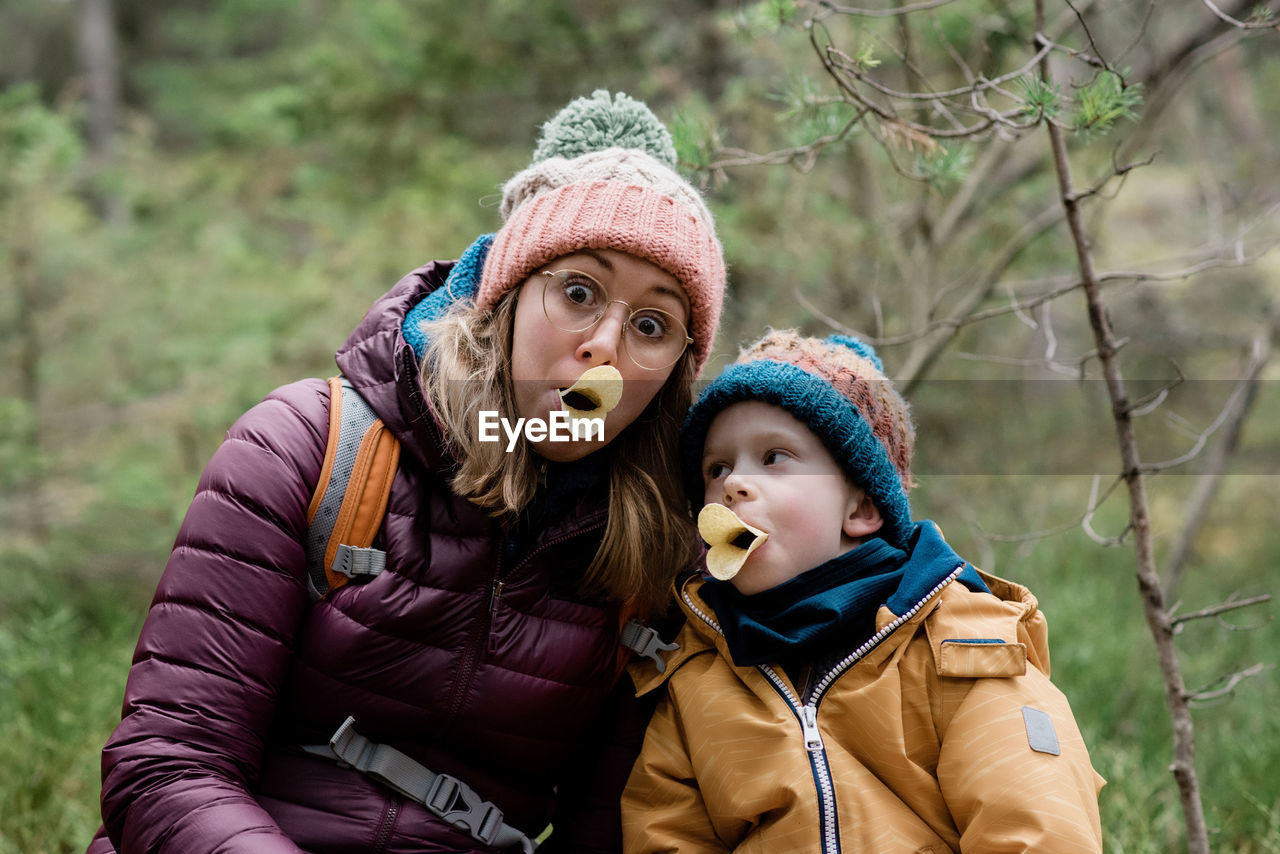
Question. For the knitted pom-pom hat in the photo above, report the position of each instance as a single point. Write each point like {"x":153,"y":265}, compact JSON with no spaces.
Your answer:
{"x":836,"y":386}
{"x":603,"y":177}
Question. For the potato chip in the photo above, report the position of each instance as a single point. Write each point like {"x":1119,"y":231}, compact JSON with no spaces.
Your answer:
{"x":595,"y":393}
{"x":731,"y":541}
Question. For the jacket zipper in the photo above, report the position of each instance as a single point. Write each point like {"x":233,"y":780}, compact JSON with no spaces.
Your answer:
{"x":383,"y":837}
{"x":479,"y":640}
{"x":476,"y":642}
{"x":807,"y":713}
{"x":808,"y":717}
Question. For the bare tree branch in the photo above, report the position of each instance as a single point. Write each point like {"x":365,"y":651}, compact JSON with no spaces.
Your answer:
{"x":1048,"y":364}
{"x":1231,"y":681}
{"x":847,"y":63}
{"x":945,"y":225}
{"x":940,"y":333}
{"x":1233,"y":412}
{"x":1240,"y":25}
{"x":1095,"y":501}
{"x":1183,"y":766}
{"x":1087,"y":58}
{"x":884,"y":13}
{"x":1207,"y":487}
{"x":1058,"y":287}
{"x":1232,"y":604}
{"x":1084,"y":25}
{"x":1086,"y":521}
{"x":1162,"y":89}
{"x":804,"y":155}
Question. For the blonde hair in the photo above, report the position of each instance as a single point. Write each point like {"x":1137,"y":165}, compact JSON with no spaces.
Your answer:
{"x":648,"y":537}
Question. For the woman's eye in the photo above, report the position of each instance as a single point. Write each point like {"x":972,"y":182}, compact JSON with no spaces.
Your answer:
{"x":578,"y":293}
{"x":579,"y":289}
{"x":650,"y":325}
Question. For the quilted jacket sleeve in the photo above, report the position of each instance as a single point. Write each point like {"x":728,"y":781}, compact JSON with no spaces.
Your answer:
{"x":662,"y":808}
{"x":217,"y":643}
{"x":1006,"y":788}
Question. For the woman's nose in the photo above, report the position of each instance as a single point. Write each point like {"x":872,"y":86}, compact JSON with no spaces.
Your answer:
{"x":604,"y":340}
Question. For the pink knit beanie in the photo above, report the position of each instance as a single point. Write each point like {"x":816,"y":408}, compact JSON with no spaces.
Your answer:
{"x":603,"y":177}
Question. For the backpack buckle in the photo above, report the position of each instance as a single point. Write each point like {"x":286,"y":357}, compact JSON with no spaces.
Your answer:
{"x":459,"y":805}
{"x":645,"y":642}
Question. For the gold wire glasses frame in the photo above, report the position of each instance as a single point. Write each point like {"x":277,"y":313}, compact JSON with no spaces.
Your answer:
{"x":575,"y":302}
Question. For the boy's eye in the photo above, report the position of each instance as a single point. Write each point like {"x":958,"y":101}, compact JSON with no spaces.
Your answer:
{"x":773,"y":457}
{"x":715,"y":471}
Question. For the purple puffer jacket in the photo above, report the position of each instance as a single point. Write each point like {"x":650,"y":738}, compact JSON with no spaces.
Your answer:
{"x":472,"y":663}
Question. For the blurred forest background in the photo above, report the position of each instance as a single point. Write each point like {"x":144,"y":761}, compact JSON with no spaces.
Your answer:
{"x":199,"y":199}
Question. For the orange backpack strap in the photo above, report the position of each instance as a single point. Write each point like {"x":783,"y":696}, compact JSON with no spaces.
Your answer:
{"x":350,"y":500}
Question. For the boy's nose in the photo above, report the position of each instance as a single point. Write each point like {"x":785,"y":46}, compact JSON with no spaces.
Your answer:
{"x":605,"y":338}
{"x":738,"y":488}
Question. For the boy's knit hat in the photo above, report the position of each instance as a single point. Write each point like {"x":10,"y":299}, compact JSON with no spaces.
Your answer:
{"x":836,"y":386}
{"x":603,"y":177}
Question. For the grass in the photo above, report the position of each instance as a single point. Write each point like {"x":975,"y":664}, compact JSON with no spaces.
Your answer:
{"x":65,"y":644}
{"x":66,"y":636}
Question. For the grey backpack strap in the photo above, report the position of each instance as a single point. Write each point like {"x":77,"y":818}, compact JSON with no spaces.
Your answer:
{"x":446,"y":797}
{"x":644,"y":641}
{"x":350,"y":419}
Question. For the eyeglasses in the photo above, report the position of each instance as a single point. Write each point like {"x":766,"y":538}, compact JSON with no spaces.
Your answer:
{"x":574,"y":302}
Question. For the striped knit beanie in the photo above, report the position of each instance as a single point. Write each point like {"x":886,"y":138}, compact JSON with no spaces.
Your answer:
{"x":603,"y":177}
{"x":836,"y":386}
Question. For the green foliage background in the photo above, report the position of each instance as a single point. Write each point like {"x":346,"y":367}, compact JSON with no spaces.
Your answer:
{"x":279,"y":164}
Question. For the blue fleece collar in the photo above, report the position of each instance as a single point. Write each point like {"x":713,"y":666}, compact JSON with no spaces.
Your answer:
{"x":931,"y":560}
{"x":833,"y":606}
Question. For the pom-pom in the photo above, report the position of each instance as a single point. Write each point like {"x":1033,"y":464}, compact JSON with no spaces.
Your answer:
{"x":862,"y":348}
{"x":602,"y":121}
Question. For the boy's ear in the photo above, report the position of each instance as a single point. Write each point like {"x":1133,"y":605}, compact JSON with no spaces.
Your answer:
{"x":862,"y":517}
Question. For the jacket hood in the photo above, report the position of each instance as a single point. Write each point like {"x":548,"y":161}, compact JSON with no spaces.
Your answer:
{"x":384,"y":368}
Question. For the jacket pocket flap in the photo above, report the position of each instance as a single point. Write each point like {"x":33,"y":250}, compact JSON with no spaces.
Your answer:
{"x":979,"y":657}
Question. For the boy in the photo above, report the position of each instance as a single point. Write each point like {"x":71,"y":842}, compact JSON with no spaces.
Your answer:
{"x":855,"y":686}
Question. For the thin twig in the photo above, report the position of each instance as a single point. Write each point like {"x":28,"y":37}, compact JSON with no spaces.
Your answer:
{"x":884,"y":13}
{"x":1047,"y":364}
{"x":1206,"y":488}
{"x":1141,"y":34}
{"x":1084,"y":25}
{"x":1231,"y":681}
{"x":1086,"y":521}
{"x":851,"y":65}
{"x":1087,"y":58}
{"x":1232,"y":405}
{"x":1058,"y":291}
{"x":803,"y":154}
{"x":1240,"y":25}
{"x":1232,"y":604}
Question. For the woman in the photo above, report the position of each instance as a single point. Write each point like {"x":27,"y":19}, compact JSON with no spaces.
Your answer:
{"x":479,"y":667}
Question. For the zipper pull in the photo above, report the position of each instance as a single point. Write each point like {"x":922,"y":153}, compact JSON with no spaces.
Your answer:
{"x":809,"y":723}
{"x":494,"y":592}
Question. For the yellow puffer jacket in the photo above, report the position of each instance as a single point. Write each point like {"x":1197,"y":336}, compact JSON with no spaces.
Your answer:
{"x":945,"y":734}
